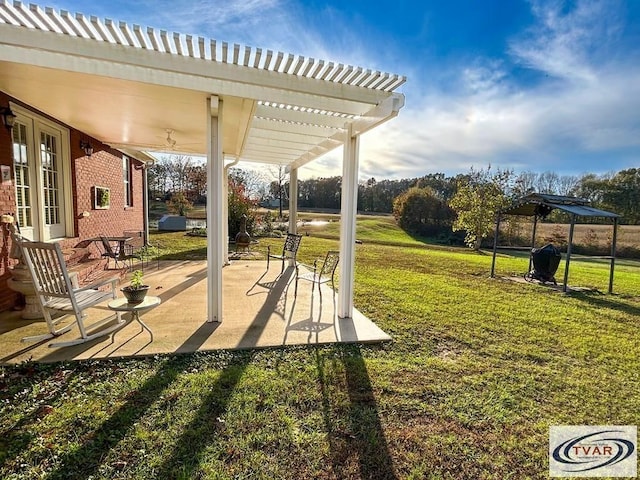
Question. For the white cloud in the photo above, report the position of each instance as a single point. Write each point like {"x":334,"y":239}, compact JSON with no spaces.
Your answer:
{"x":564,"y":43}
{"x":581,"y":100}
{"x":587,"y":104}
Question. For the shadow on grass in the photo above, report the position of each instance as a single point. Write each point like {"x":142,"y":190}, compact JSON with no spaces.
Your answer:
{"x":27,"y":376}
{"x":184,"y":460}
{"x":366,"y":435}
{"x":598,"y":300}
{"x":84,"y":461}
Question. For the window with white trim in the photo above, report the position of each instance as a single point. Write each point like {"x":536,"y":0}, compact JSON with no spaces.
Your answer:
{"x":126,"y":177}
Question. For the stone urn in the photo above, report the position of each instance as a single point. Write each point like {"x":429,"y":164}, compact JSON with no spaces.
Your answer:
{"x":20,"y":280}
{"x":243,"y":239}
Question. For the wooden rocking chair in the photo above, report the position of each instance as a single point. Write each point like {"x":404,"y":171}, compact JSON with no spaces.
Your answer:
{"x":56,"y":294}
{"x":321,"y":275}
{"x":289,"y":250}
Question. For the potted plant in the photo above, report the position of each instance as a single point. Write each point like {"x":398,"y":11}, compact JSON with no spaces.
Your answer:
{"x":136,"y":290}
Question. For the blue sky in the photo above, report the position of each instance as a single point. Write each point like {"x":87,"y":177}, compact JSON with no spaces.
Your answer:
{"x":524,"y":85}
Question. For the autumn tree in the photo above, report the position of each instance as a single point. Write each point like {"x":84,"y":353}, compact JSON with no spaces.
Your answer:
{"x":179,"y":204}
{"x":239,"y":204}
{"x":480,"y":195}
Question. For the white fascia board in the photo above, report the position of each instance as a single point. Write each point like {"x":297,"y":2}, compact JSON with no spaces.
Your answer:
{"x":297,"y":116}
{"x":23,"y":45}
{"x":139,"y":155}
{"x":244,"y":130}
{"x":380,"y":114}
{"x":261,"y":157}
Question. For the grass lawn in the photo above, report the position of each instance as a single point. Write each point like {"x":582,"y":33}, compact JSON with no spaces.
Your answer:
{"x":478,"y":370}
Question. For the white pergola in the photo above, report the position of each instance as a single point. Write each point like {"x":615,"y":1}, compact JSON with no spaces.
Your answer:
{"x":141,"y":89}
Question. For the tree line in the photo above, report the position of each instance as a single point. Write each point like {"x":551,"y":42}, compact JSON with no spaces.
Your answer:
{"x":427,"y":205}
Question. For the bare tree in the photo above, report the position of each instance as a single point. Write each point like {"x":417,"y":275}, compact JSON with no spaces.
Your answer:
{"x":256,"y":185}
{"x":278,"y":189}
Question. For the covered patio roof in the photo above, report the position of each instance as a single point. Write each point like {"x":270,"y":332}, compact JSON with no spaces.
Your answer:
{"x":146,"y":89}
{"x":142,"y":89}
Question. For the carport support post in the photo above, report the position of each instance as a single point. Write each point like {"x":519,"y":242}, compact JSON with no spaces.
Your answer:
{"x":533,"y":239}
{"x":495,"y":246}
{"x":613,"y":253}
{"x":568,"y":260}
{"x":215,"y":209}
{"x":348,"y":222}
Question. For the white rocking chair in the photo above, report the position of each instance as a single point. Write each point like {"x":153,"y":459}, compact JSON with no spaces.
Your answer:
{"x":56,"y":294}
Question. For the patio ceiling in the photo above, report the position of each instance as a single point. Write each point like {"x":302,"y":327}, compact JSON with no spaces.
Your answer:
{"x":131,"y":87}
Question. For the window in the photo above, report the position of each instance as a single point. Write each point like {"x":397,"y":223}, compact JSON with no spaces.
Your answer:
{"x":126,"y":176}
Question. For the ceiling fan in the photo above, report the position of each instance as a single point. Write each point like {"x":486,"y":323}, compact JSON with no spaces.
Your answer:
{"x":171,"y":143}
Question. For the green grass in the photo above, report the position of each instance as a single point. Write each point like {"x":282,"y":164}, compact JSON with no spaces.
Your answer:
{"x":478,"y":370}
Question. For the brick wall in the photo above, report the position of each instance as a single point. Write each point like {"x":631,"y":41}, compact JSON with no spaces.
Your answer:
{"x":104,"y":169}
{"x":8,"y":298}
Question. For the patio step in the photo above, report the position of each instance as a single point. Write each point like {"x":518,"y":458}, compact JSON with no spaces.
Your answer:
{"x":76,"y":255}
{"x":93,"y":271}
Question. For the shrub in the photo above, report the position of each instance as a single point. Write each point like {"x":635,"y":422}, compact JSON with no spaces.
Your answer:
{"x":419,"y":210}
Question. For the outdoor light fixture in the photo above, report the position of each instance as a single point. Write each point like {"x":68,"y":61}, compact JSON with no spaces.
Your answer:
{"x":87,"y":147}
{"x":8,"y":117}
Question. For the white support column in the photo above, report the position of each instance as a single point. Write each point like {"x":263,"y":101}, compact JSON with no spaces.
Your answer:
{"x":293,"y":200}
{"x":225,"y":221}
{"x":348,"y":223}
{"x":293,"y":206}
{"x":215,"y":209}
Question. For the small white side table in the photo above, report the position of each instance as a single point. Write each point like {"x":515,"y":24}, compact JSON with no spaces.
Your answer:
{"x":121,"y":305}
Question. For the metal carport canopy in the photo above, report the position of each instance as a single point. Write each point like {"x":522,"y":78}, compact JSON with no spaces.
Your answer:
{"x":540,"y":205}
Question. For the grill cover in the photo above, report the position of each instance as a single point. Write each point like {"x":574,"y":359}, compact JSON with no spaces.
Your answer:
{"x":545,"y":262}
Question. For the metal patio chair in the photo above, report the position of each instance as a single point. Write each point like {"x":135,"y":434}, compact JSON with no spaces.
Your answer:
{"x":120,"y":254}
{"x":319,"y":274}
{"x":57,"y":295}
{"x":141,"y":250}
{"x":289,"y":250}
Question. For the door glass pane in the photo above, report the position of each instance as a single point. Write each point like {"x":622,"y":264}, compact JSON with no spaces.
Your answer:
{"x":21,"y":169}
{"x":50,"y":183}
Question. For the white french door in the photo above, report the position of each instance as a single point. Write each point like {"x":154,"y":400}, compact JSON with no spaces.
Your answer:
{"x":41,"y":168}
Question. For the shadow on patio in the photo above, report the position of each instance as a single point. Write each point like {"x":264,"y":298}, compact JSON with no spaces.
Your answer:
{"x":260,"y":310}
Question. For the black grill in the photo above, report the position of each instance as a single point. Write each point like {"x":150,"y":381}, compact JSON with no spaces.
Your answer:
{"x":545,"y":262}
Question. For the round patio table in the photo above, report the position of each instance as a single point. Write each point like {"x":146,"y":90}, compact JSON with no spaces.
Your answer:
{"x":121,"y":305}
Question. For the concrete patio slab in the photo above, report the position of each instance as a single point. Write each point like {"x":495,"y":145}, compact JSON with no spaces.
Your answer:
{"x":260,"y":310}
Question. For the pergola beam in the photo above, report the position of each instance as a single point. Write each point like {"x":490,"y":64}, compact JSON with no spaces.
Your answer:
{"x":52,"y":50}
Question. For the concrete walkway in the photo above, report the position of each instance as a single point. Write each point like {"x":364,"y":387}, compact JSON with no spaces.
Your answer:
{"x":260,"y":310}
